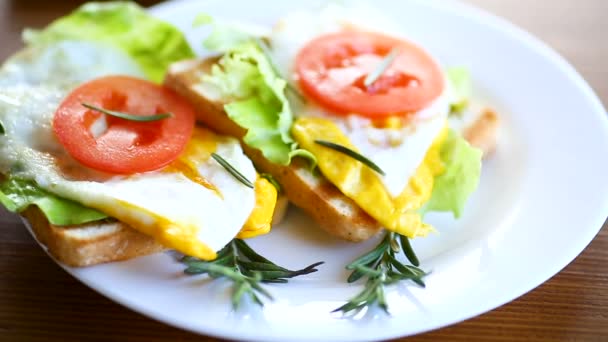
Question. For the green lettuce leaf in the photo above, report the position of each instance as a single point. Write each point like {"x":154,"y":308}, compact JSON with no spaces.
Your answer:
{"x":152,"y":43}
{"x":460,"y":82}
{"x":460,"y":178}
{"x":256,"y":95}
{"x":17,"y":194}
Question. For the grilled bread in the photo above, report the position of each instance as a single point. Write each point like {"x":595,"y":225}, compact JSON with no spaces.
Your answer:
{"x":107,"y":241}
{"x":101,"y":241}
{"x":334,"y":212}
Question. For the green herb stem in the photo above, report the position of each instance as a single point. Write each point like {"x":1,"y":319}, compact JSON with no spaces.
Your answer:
{"x":127,"y":116}
{"x":352,"y":154}
{"x":234,"y":172}
{"x":408,"y":251}
{"x":381,"y":68}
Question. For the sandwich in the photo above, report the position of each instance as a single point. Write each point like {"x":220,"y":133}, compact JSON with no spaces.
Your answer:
{"x":361,"y":127}
{"x":352,"y":122}
{"x":103,"y":161}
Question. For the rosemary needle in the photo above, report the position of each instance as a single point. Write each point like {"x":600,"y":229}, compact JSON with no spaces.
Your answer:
{"x":381,"y":68}
{"x":352,"y":154}
{"x":408,"y":251}
{"x":127,"y":116}
{"x":234,"y":172}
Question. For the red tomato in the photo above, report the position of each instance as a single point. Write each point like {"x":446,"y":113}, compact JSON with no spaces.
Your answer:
{"x":332,"y":69}
{"x":126,"y":146}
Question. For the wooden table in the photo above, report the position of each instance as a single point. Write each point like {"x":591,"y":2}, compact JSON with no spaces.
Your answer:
{"x":40,"y":302}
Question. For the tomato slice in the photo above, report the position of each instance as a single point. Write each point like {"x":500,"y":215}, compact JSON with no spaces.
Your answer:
{"x":332,"y":69}
{"x":123,"y":146}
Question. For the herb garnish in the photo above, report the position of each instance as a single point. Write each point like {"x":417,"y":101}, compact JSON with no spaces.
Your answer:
{"x":382,"y":268}
{"x":245,"y":269}
{"x":127,"y":116}
{"x":457,"y":108}
{"x":381,"y":68}
{"x":266,"y":51}
{"x":1,"y":128}
{"x":352,"y":154}
{"x":234,"y":172}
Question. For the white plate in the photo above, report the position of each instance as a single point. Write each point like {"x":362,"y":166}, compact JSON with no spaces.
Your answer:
{"x":542,"y":199}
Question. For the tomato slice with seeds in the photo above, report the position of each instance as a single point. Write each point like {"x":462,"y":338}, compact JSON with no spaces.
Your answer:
{"x":116,"y":145}
{"x":332,"y":70}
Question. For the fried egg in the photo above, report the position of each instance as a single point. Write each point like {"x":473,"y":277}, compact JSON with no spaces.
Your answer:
{"x":402,"y":148}
{"x":66,"y":63}
{"x":193,"y":205}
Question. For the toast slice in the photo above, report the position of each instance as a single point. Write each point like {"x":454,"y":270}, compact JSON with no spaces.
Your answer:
{"x":334,"y":212}
{"x":90,"y":243}
{"x":101,"y":241}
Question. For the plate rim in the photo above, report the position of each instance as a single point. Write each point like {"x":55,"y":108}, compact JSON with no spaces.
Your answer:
{"x":485,"y":18}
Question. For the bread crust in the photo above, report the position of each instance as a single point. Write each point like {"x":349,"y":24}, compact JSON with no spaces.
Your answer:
{"x":92,"y":243}
{"x":102,"y":241}
{"x":334,"y":212}
{"x":483,"y":132}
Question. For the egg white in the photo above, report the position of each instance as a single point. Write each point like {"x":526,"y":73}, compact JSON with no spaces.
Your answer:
{"x":398,"y":152}
{"x":65,"y":64}
{"x":297,"y":28}
{"x":29,"y":150}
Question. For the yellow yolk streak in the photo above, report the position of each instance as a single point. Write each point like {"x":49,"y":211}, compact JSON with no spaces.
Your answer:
{"x":260,"y":220}
{"x":179,"y":236}
{"x":391,"y":122}
{"x":201,"y":145}
{"x":182,"y":236}
{"x":363,"y":185}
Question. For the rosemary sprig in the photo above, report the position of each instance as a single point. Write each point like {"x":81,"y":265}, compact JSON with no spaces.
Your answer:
{"x":381,"y":268}
{"x":266,"y":51}
{"x":352,"y":154}
{"x":127,"y":116}
{"x":245,"y":268}
{"x":381,"y":68}
{"x":234,"y":172}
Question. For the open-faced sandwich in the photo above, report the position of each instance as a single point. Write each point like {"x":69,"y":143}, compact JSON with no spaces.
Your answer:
{"x":386,"y":125}
{"x":357,"y":125}
{"x":361,"y":127}
{"x":107,"y":164}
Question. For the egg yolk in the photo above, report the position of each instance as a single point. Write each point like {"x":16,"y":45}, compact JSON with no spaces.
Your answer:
{"x":183,"y":236}
{"x":391,"y":122}
{"x":260,"y":220}
{"x":199,"y":149}
{"x":363,"y":185}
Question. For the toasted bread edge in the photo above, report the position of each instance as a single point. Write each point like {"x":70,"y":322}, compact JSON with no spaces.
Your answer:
{"x":74,"y":246}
